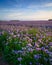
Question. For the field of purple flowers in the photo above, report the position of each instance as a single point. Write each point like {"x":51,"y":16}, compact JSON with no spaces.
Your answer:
{"x":26,"y":46}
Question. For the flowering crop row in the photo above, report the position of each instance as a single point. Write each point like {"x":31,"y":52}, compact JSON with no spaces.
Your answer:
{"x":31,"y":46}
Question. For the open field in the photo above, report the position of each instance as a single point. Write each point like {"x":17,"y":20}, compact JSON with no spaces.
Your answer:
{"x":28,"y":23}
{"x":26,"y":44}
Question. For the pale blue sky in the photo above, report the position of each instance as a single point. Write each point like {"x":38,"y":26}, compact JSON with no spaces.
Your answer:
{"x":25,"y":9}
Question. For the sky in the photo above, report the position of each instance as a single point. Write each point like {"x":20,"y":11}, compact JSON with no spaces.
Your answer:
{"x":25,"y":9}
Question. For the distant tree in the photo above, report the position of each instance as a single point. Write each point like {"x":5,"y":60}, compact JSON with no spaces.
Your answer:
{"x":50,"y":20}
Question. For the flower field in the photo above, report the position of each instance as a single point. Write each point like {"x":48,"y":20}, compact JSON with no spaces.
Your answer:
{"x":26,"y":46}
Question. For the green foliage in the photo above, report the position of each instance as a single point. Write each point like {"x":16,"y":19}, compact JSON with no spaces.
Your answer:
{"x":8,"y":43}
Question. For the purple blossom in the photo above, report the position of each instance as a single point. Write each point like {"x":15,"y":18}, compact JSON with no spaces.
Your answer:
{"x":30,"y":63}
{"x":15,"y":51}
{"x":46,"y":51}
{"x":20,"y":51}
{"x":37,"y":56}
{"x":50,"y":44}
{"x":47,"y":47}
{"x":30,"y":45}
{"x":19,"y":59}
{"x":42,"y":48}
{"x":30,"y":49}
{"x":38,"y":49}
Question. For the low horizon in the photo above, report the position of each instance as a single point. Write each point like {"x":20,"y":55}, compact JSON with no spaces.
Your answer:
{"x":25,"y":20}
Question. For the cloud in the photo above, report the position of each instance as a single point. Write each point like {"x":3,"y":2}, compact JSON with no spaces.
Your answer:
{"x":40,"y":5}
{"x":32,"y":12}
{"x":43,"y":15}
{"x":38,"y":15}
{"x":48,"y":5}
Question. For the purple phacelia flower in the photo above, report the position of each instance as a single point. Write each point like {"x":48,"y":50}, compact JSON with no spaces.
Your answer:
{"x":42,"y":48}
{"x":15,"y":51}
{"x":37,"y":56}
{"x":46,"y":50}
{"x":20,"y":51}
{"x":50,"y":44}
{"x":19,"y":59}
{"x":47,"y":47}
{"x":30,"y":63}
